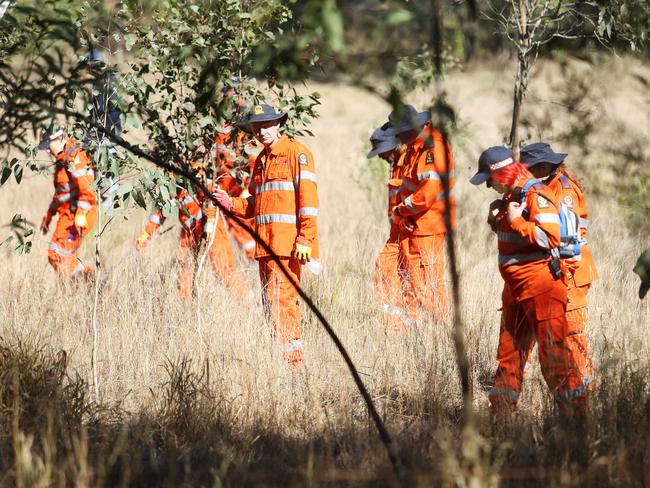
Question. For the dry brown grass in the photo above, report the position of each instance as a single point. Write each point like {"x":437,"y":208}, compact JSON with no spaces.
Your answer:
{"x":198,"y":396}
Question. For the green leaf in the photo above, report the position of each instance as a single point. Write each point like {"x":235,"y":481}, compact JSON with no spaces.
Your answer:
{"x":129,"y":41}
{"x":6,"y":173}
{"x":399,"y":17}
{"x":18,"y":173}
{"x":133,"y":121}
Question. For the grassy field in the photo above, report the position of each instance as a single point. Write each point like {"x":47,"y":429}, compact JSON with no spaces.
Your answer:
{"x":194,"y":394}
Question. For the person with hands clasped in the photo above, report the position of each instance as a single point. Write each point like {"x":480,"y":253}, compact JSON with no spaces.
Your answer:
{"x":284,"y":202}
{"x":74,"y":202}
{"x":581,"y":271}
{"x":527,"y":224}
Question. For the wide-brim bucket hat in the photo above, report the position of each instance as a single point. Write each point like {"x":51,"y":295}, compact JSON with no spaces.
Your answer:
{"x":406,"y":118}
{"x":540,"y":152}
{"x":491,"y":160}
{"x":263,"y":113}
{"x":382,"y":142}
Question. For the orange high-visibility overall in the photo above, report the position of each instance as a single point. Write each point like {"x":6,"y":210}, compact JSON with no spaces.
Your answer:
{"x":194,"y":229}
{"x":284,"y":202}
{"x":423,"y":203}
{"x":581,"y":272}
{"x":534,"y":307}
{"x":73,"y":179}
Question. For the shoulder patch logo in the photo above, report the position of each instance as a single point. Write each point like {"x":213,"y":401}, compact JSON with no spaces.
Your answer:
{"x":302,"y":159}
{"x":568,"y":200}
{"x":429,"y":158}
{"x":542,"y":202}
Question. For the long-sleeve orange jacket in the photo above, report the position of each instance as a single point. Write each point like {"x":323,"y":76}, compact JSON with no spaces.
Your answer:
{"x":283,"y":198}
{"x":567,"y":191}
{"x":422,"y":195}
{"x":525,"y":244}
{"x":73,"y":179}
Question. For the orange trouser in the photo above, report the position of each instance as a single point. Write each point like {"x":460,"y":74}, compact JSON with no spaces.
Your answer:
{"x":576,"y":316}
{"x":243,"y":238}
{"x":389,"y":270}
{"x":541,"y":318}
{"x":424,"y":283}
{"x":577,"y":321}
{"x":63,"y":251}
{"x":221,"y":258}
{"x":280,"y":301}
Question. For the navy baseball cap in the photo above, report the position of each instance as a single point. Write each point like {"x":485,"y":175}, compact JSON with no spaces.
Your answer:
{"x":382,"y":142}
{"x":406,"y":118}
{"x":264,"y":113}
{"x":540,"y":152}
{"x":491,"y":160}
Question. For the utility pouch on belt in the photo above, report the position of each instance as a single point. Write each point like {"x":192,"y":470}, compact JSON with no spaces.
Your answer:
{"x":556,"y":269}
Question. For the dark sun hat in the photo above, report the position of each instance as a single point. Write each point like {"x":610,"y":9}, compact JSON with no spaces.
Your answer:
{"x":540,"y":152}
{"x":406,"y":118}
{"x":263,"y":113}
{"x":382,"y":142}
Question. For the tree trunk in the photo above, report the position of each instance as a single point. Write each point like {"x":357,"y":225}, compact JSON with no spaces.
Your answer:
{"x":521,"y":79}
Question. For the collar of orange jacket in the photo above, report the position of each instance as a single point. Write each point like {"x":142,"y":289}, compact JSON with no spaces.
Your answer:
{"x":281,"y":145}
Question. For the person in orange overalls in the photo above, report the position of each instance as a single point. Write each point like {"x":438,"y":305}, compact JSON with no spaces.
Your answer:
{"x":74,"y":202}
{"x":284,"y":201}
{"x":420,"y":216}
{"x":534,"y":296}
{"x":234,"y":178}
{"x":389,"y":266}
{"x":581,"y":271}
{"x":200,"y":227}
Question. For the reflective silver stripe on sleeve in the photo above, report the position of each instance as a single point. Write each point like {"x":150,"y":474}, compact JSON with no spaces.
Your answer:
{"x":428,"y":175}
{"x":308,"y":212}
{"x":542,"y":238}
{"x":248,"y":245}
{"x":63,"y":198}
{"x":276,"y":186}
{"x":60,"y":251}
{"x":548,"y":218}
{"x":62,"y":188}
{"x":83,"y":172}
{"x":393,"y":192}
{"x":509,"y":259}
{"x":275,"y":218}
{"x":84,"y":205}
{"x":504,"y":392}
{"x":584,"y":222}
{"x":154,"y":218}
{"x":306,"y":175}
{"x":408,"y":185}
